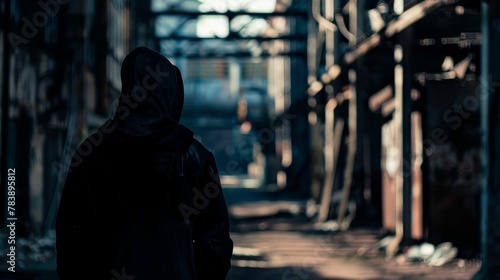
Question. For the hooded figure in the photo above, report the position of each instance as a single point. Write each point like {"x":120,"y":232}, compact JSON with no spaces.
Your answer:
{"x":142,"y":198}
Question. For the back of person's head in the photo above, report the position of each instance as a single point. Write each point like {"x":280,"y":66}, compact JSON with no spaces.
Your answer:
{"x":152,"y":92}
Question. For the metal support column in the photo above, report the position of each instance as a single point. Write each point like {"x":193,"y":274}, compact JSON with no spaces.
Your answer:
{"x":405,"y":104}
{"x":317,"y":34}
{"x":402,"y":116}
{"x":403,"y":182}
{"x":299,"y":175}
{"x":5,"y":103}
{"x":490,"y":141}
{"x":352,"y":117}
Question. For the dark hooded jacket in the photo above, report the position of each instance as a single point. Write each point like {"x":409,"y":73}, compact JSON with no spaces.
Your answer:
{"x":142,"y":198}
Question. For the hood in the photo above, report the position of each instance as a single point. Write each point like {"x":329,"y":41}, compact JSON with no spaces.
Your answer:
{"x":151,"y":100}
{"x":152,"y":94}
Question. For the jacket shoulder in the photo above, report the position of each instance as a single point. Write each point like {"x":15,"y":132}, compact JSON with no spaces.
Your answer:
{"x":196,"y":159}
{"x":197,"y":148}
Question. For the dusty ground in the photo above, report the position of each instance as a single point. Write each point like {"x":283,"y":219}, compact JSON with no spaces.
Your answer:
{"x":274,"y":239}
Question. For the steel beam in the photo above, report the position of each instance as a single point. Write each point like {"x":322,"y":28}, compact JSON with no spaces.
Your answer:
{"x":230,"y":14}
{"x":235,"y":54}
{"x":235,"y":37}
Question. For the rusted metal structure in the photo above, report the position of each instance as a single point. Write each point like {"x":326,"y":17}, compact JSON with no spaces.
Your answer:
{"x":393,"y":67}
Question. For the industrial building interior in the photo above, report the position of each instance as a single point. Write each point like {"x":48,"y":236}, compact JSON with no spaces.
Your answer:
{"x":362,"y":123}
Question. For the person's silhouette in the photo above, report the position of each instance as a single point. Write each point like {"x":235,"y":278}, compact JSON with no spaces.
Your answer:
{"x":142,"y":198}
